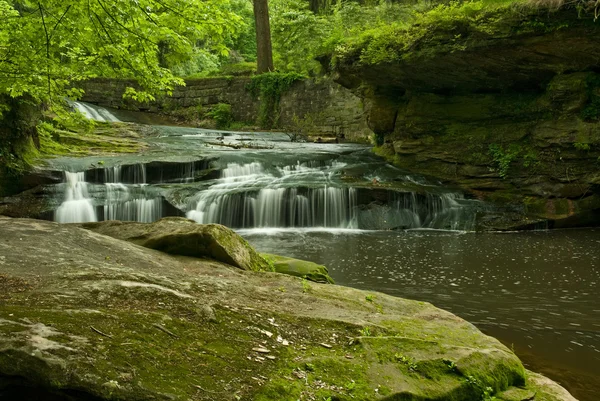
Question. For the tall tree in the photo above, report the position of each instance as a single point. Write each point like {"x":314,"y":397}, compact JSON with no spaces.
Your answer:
{"x":264,"y":52}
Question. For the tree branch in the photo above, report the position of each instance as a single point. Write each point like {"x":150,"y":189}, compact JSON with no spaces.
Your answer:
{"x":123,"y":26}
{"x":59,"y":21}
{"x":47,"y":51}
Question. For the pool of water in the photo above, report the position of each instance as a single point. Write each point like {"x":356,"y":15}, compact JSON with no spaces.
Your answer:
{"x":535,"y":291}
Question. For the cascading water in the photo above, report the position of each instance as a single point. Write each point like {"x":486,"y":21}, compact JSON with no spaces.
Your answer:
{"x":311,"y":194}
{"x":95,"y":112}
{"x":247,"y":196}
{"x":130,"y":202}
{"x":134,"y":202}
{"x":410,"y":210}
{"x":77,"y":207}
{"x":333,"y":190}
{"x":130,"y":174}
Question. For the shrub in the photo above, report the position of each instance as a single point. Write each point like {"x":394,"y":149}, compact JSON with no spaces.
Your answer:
{"x":222,"y":115}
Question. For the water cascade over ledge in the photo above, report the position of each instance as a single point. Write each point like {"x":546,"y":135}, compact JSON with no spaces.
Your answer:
{"x":77,"y":206}
{"x":330,"y":187}
{"x":93,"y":112}
{"x":133,"y":202}
{"x":310,"y":195}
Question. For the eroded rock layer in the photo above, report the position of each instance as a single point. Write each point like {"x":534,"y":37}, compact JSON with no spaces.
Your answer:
{"x":505,"y":103}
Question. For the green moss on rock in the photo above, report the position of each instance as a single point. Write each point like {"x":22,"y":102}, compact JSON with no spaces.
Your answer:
{"x":299,"y":268}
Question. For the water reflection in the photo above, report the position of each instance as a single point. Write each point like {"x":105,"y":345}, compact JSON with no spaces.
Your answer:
{"x":536,"y":291}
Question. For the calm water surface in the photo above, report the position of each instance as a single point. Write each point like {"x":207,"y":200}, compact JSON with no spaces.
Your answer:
{"x":535,"y":291}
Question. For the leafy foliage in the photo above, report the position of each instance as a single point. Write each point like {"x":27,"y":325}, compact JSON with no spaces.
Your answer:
{"x":299,"y":35}
{"x":237,"y":70}
{"x":47,"y":45}
{"x":447,"y":25}
{"x":394,"y":41}
{"x":582,"y":146}
{"x":244,"y":42}
{"x":296,"y":35}
{"x":222,"y":115}
{"x":503,"y":157}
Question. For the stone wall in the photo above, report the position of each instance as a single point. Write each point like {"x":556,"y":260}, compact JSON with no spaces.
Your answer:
{"x":332,"y":109}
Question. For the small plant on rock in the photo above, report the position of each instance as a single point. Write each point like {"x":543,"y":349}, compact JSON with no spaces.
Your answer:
{"x":305,"y":285}
{"x":410,"y":363}
{"x":503,"y":157}
{"x":298,"y":130}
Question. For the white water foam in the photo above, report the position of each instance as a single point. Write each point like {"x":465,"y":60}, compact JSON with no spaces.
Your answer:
{"x":95,"y":112}
{"x":77,"y":207}
{"x":121,"y":202}
{"x":248,"y":197}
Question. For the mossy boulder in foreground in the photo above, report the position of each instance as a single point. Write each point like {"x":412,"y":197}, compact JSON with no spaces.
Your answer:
{"x":84,"y":316}
{"x":180,"y":236}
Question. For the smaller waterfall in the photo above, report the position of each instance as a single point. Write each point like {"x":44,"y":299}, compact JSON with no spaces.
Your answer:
{"x":188,"y":172}
{"x":449,"y":211}
{"x":133,"y":202}
{"x":95,"y":112}
{"x":130,"y":174}
{"x":410,"y":210}
{"x":242,"y":172}
{"x":77,"y":207}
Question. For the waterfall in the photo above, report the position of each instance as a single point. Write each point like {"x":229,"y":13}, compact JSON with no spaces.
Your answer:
{"x":254,"y":195}
{"x":279,"y":207}
{"x":133,"y":202}
{"x":95,"y":112}
{"x":259,"y":195}
{"x":247,"y":196}
{"x":77,"y":206}
{"x":437,"y":211}
{"x":188,"y":172}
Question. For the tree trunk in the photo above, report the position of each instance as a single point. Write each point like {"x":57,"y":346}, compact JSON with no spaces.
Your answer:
{"x":264,"y":53}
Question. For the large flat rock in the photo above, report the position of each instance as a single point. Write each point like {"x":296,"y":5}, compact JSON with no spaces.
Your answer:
{"x":84,"y":316}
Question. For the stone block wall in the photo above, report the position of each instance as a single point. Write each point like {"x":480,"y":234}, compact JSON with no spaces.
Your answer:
{"x":332,"y":109}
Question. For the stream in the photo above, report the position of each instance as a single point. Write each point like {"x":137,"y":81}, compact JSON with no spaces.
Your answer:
{"x":376,"y":227}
